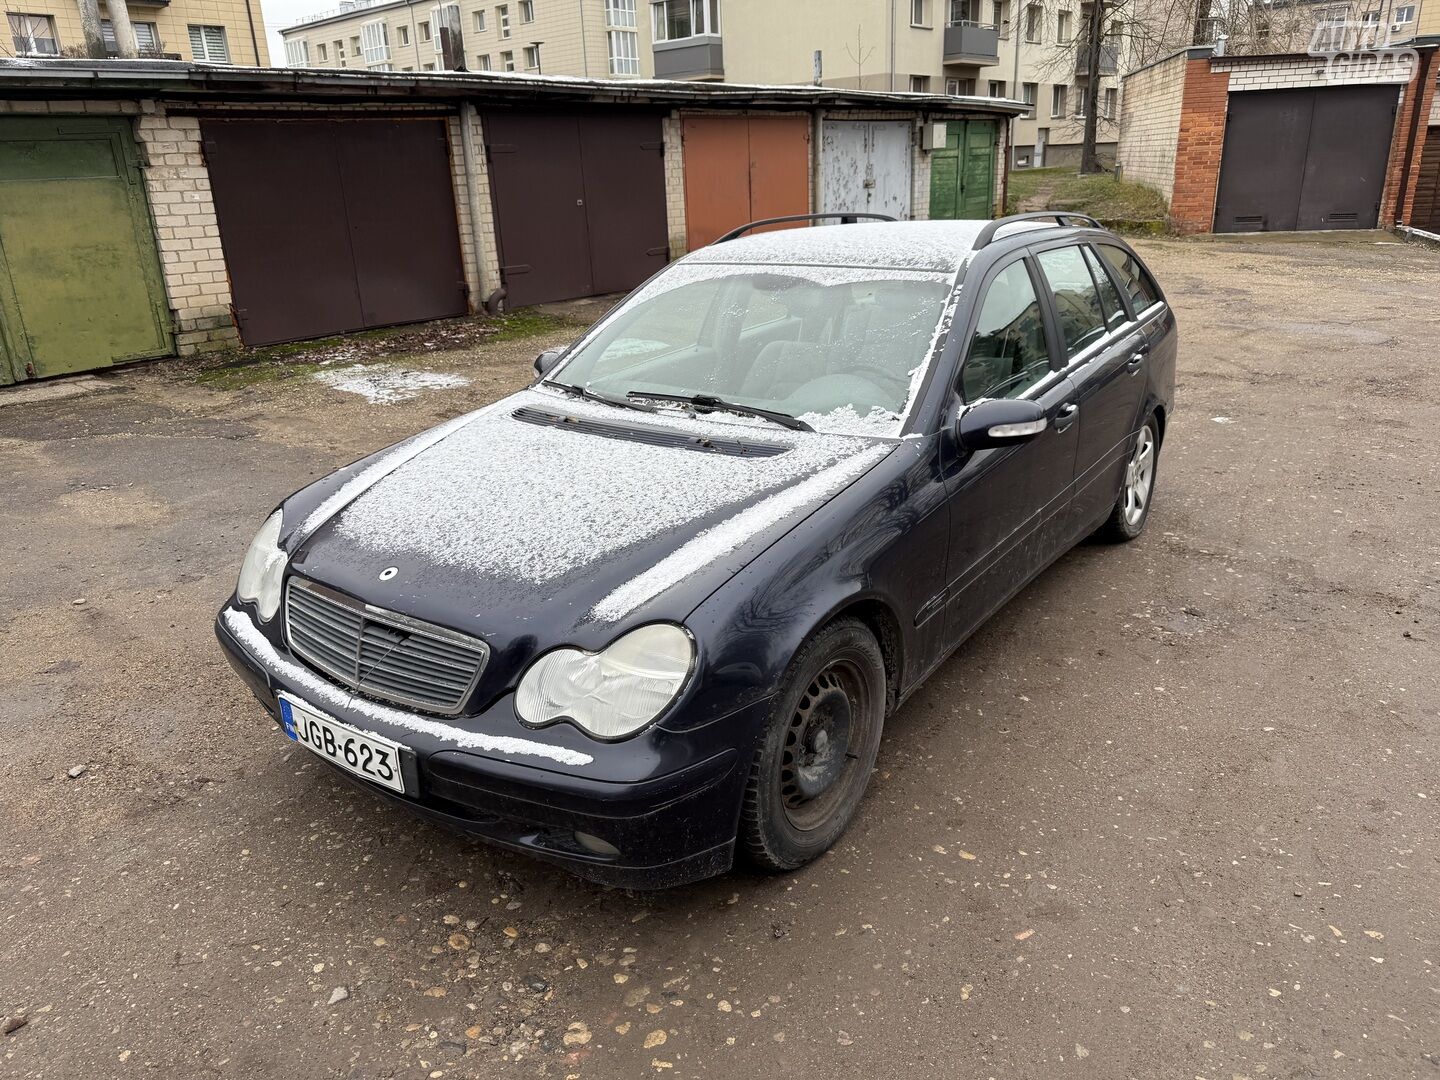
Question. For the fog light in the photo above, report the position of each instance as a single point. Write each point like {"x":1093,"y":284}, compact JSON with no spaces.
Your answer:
{"x":595,"y":845}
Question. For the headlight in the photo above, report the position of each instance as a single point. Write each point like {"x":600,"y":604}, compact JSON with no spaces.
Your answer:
{"x":263,"y":568}
{"x":612,"y":693}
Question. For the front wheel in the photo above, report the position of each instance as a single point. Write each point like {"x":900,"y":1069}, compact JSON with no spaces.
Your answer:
{"x":814,"y":762}
{"x":1132,"y":507}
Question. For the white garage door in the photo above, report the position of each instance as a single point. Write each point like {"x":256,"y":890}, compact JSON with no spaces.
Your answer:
{"x":865,"y":167}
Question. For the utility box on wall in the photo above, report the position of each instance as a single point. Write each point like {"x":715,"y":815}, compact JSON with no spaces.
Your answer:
{"x":932,"y":136}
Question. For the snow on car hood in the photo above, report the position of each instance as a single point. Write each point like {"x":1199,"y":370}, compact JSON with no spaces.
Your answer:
{"x":523,"y":516}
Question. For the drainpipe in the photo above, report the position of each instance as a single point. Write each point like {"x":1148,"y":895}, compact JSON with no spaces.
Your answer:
{"x":472,"y":195}
{"x":1011,"y":127}
{"x":90,"y":29}
{"x":584,"y":52}
{"x":125,"y":45}
{"x":892,"y":46}
{"x":254,"y":39}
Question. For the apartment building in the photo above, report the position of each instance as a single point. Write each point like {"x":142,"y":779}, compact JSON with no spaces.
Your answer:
{"x":208,"y":31}
{"x":591,"y":38}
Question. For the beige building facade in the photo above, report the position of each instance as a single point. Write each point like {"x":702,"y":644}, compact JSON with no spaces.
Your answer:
{"x":206,"y":31}
{"x":587,"y":38}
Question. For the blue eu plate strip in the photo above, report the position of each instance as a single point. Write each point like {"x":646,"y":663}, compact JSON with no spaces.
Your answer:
{"x":287,"y":720}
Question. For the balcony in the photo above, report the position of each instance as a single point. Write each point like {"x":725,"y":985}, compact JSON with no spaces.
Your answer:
{"x":699,"y":57}
{"x":972,"y":43}
{"x":1109,"y":59}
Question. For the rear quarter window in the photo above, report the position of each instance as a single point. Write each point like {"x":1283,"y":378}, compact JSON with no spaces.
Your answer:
{"x":1134,"y":277}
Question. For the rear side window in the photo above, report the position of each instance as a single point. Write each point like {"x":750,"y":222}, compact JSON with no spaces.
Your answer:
{"x":1137,"y":282}
{"x":1082,"y":319}
{"x":1007,"y":353}
{"x":1110,"y":301}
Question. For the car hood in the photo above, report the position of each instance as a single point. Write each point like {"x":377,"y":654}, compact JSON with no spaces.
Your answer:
{"x":544,"y":519}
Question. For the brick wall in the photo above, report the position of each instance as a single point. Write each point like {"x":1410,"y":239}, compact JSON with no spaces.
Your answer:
{"x":1198,"y":147}
{"x":1285,"y":73}
{"x":479,"y":245}
{"x":674,"y":134}
{"x":1418,"y":98}
{"x":1149,"y":123}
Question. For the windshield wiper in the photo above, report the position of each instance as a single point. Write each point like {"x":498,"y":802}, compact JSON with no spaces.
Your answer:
{"x":710,"y":403}
{"x":592,"y":395}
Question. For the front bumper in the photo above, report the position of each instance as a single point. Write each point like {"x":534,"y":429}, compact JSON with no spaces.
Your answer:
{"x":668,"y":802}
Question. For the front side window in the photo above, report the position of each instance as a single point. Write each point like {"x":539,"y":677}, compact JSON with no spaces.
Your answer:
{"x":843,"y":349}
{"x":1008,"y":353}
{"x":208,"y":44}
{"x":1082,"y":318}
{"x":624,"y":52}
{"x":1132,"y":275}
{"x":33,"y":35}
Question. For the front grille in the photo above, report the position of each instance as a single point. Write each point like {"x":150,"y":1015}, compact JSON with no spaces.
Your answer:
{"x":379,"y":653}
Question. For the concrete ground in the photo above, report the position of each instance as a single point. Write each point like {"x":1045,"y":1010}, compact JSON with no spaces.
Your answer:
{"x":1173,"y":813}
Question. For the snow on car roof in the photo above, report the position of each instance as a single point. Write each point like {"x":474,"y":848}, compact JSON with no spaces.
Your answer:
{"x":935,"y":246}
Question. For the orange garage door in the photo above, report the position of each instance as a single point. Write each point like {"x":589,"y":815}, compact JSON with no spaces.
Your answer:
{"x":742,"y":168}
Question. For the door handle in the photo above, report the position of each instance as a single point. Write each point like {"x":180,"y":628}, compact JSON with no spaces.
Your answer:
{"x":1137,"y":358}
{"x":1065,"y":416}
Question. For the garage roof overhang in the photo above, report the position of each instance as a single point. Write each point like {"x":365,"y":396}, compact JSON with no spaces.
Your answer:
{"x":172,"y":79}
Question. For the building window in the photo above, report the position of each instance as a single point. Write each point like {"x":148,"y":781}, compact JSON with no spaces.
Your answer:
{"x":375,"y":42}
{"x":502,"y":19}
{"x":527,"y":11}
{"x":321,"y":53}
{"x":1064,"y":31}
{"x":297,"y":53}
{"x":919,"y":13}
{"x":427,"y":67}
{"x":620,"y":13}
{"x":1112,"y":98}
{"x":424,"y":31}
{"x":624,"y":52}
{"x":34,"y":35}
{"x":1000,"y":15}
{"x":480,"y":21}
{"x":442,"y":16}
{"x":1405,"y":14}
{"x":207,"y":44}
{"x":997,"y":88}
{"x":147,"y":39}
{"x":1034,"y":23}
{"x":919,"y":84}
{"x":1028,"y":93}
{"x":507,"y":61}
{"x":483,"y":62}
{"x":676,"y":20}
{"x":1057,"y":99}
{"x":532,"y":57}
{"x":355,"y":47}
{"x":960,"y":87}
{"x":340,"y":51}
{"x":404,"y":32}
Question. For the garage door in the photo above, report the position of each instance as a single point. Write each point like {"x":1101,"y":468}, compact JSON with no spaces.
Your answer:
{"x":743,"y":168}
{"x":865,"y":167}
{"x":1426,"y":212}
{"x":331,"y":226}
{"x":80,"y":283}
{"x":962,"y":175}
{"x":579,"y":202}
{"x":1305,"y":159}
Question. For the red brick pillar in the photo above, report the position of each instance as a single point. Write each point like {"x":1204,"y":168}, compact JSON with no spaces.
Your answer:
{"x":1197,"y":151}
{"x":1419,"y":93}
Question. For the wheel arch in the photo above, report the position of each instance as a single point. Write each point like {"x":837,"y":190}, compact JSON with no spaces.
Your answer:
{"x":880,"y":619}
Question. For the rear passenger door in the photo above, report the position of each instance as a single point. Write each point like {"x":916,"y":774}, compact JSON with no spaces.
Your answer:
{"x":1103,"y":354}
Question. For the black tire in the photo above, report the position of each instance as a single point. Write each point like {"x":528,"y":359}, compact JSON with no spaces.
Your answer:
{"x":1124,"y":523}
{"x":805,"y":784}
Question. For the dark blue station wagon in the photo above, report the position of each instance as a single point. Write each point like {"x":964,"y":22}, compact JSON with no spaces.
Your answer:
{"x":656,"y":608}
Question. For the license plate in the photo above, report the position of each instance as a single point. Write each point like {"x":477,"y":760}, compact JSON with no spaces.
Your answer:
{"x":376,"y":759}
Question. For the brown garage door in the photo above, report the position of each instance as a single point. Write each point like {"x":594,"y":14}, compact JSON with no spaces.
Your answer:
{"x":1305,"y":159}
{"x":330,"y":226}
{"x":579,"y":202}
{"x":743,"y":168}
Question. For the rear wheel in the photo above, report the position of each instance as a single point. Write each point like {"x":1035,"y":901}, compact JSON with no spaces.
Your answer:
{"x":814,"y":762}
{"x":1132,"y":507}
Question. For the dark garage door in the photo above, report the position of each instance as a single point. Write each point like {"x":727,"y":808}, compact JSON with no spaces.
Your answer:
{"x":330,"y":226}
{"x":1305,"y":159}
{"x":579,"y":202}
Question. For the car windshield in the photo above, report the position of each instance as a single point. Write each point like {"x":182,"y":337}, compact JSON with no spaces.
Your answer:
{"x":843,"y":349}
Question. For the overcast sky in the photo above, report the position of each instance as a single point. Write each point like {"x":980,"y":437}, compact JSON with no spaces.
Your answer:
{"x":280,"y":13}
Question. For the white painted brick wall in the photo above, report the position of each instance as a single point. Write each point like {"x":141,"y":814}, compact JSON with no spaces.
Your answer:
{"x":673,"y":134}
{"x":1305,"y":71}
{"x":1150,"y":124}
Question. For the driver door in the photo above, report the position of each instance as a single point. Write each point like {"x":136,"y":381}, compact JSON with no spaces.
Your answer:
{"x":1006,"y":503}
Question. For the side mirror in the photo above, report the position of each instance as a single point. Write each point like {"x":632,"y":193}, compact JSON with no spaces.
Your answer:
{"x":1000,"y":422}
{"x":547,"y":360}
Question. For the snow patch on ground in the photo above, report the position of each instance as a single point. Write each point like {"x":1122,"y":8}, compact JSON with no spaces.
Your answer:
{"x":720,"y":540}
{"x":502,"y":498}
{"x":382,"y":384}
{"x":322,"y":693}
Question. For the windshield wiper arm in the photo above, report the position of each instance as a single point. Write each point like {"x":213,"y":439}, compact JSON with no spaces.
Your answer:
{"x":710,"y":403}
{"x":593,"y":395}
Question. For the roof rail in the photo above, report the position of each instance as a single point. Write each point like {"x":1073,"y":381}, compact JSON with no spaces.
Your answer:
{"x":846,"y":218}
{"x":987,"y":234}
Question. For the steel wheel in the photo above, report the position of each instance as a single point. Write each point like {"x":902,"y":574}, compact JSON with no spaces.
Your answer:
{"x":819,"y":755}
{"x":1139,"y":478}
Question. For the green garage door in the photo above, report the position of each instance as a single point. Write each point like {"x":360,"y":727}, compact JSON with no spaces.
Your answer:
{"x":80,"y":284}
{"x":962,"y":175}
